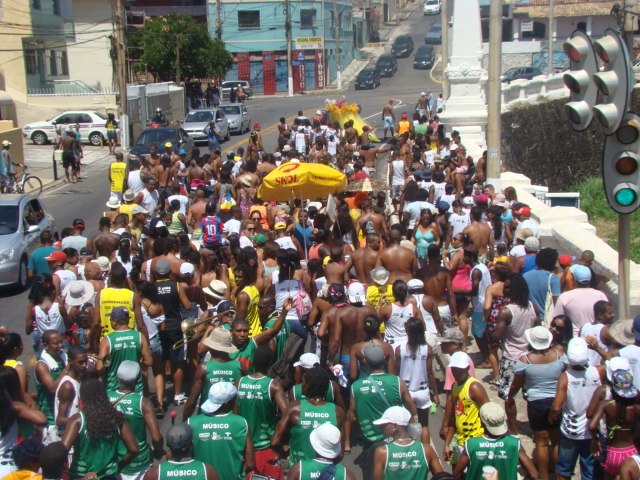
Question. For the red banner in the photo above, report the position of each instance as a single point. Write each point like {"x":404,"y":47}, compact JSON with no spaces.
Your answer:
{"x":269,"y":72}
{"x":244,"y":69}
{"x":320,"y":70}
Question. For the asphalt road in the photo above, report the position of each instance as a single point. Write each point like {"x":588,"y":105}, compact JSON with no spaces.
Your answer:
{"x":86,"y":199}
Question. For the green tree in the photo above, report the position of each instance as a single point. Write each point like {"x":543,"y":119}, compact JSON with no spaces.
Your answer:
{"x":156,"y":45}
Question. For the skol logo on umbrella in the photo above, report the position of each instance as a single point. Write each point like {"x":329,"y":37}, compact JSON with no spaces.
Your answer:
{"x":287,"y":179}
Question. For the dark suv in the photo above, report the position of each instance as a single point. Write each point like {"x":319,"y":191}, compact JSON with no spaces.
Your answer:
{"x":387,"y":65}
{"x":402,"y":46}
{"x":367,"y":79}
{"x":424,"y":57}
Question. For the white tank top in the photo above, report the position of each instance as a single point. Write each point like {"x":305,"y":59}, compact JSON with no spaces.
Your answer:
{"x":285,"y":242}
{"x":414,"y":370}
{"x":51,"y":320}
{"x":485,"y":281}
{"x":394,"y":332}
{"x":74,"y":406}
{"x":582,"y":384}
{"x":134,"y":182}
{"x":151,"y":322}
{"x":428,"y":318}
{"x":514,"y":343}
{"x":397,"y":177}
{"x":284,"y":290}
{"x":594,"y":329}
{"x":7,"y":443}
{"x":66,"y":277}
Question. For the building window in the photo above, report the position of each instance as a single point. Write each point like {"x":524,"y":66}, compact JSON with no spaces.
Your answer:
{"x":537,"y":30}
{"x":64,"y":64}
{"x":53,"y":64}
{"x":249,"y":19}
{"x":31,"y":61}
{"x":56,"y":7}
{"x":308,"y":18}
{"x":36,"y":5}
{"x":58,"y":63}
{"x":346,"y":20}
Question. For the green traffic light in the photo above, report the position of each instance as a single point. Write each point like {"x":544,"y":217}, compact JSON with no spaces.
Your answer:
{"x":625,"y":196}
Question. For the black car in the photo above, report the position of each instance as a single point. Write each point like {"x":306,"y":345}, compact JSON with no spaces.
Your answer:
{"x":402,"y":46}
{"x":387,"y":66}
{"x":367,"y":79}
{"x":424,"y":57}
{"x":159,"y":136}
{"x":520,"y":73}
{"x":434,"y":35}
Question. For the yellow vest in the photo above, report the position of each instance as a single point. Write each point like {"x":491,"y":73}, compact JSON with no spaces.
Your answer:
{"x":404,"y":126}
{"x":117,"y":171}
{"x":127,"y":208}
{"x":114,"y":297}
{"x":466,"y":411}
{"x":255,"y":327}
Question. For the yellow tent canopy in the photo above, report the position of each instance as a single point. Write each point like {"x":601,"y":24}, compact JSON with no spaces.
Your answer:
{"x":301,"y":180}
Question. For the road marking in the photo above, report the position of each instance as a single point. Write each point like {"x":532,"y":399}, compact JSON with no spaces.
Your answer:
{"x":397,"y":105}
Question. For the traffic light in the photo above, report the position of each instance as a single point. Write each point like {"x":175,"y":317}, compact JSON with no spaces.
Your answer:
{"x":615,"y":81}
{"x":584,"y":93}
{"x":621,"y":165}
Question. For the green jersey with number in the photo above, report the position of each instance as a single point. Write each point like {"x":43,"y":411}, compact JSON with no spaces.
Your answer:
{"x":311,"y":417}
{"x":131,"y":406}
{"x":187,"y":470}
{"x":219,"y":441}
{"x":245,"y":354}
{"x":297,"y":393}
{"x":312,"y":469}
{"x":371,"y":403}
{"x":406,"y":462}
{"x":123,"y":345}
{"x":257,"y":407}
{"x":500,"y":453}
{"x":219,"y":372}
{"x":45,"y":398}
{"x":282,"y":335}
{"x":94,"y":454}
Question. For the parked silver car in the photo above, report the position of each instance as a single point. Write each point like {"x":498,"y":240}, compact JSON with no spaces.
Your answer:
{"x":197,"y":120}
{"x":22,"y":218}
{"x":238,"y":117}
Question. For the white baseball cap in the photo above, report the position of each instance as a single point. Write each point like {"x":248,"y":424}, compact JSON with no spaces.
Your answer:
{"x":307,"y":361}
{"x":460,"y":360}
{"x":578,"y":351}
{"x":187,"y":269}
{"x":219,"y":394}
{"x":395,"y":415}
{"x":356,"y":293}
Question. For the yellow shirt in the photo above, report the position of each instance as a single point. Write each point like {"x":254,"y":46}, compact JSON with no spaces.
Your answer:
{"x":255,"y":327}
{"x":467,"y":412}
{"x":375,"y":294}
{"x":116,"y":173}
{"x":503,"y":259}
{"x":114,"y":297}
{"x":404,"y":126}
{"x":127,"y":208}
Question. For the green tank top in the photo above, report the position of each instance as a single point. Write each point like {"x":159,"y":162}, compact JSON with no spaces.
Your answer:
{"x":282,"y":335}
{"x":500,"y":453}
{"x":219,"y":372}
{"x":406,"y":462}
{"x":369,"y":403}
{"x":123,"y":345}
{"x":176,"y":226}
{"x":311,"y":469}
{"x":90,"y":454}
{"x":258,"y":409}
{"x":245,"y":354}
{"x":131,"y":406}
{"x":219,"y":441}
{"x":188,"y":470}
{"x":297,"y":393}
{"x":45,"y":398}
{"x":311,"y":417}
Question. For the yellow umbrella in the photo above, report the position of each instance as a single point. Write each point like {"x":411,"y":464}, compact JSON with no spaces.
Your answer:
{"x":301,"y":180}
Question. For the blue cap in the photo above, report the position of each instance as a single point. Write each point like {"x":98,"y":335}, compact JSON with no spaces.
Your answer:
{"x":581,"y":273}
{"x":636,"y":328}
{"x":119,"y":313}
{"x":622,"y":384}
{"x":443,"y":206}
{"x":182,"y":151}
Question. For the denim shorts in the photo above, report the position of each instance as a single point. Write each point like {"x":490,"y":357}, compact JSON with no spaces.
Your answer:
{"x":568,"y":453}
{"x":155,"y":346}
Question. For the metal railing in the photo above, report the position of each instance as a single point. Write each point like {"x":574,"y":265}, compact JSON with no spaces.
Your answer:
{"x":64,"y":88}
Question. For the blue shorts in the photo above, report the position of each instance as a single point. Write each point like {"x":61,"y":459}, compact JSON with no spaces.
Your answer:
{"x":478,"y":325}
{"x":388,"y":122}
{"x":345,"y":360}
{"x":568,"y":453}
{"x":112,"y":134}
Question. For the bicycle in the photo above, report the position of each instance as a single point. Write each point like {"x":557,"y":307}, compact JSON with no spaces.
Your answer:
{"x":27,"y":183}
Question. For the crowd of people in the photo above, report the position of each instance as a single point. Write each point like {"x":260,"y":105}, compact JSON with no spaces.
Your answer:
{"x":294,"y":331}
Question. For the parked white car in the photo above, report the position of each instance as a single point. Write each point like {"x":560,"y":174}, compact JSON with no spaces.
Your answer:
{"x":92,"y":127}
{"x":431,"y":7}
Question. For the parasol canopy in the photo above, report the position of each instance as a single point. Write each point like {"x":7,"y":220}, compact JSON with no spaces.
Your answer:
{"x":301,"y":180}
{"x":366,"y":185}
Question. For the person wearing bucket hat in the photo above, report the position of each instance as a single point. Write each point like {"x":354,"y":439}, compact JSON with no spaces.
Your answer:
{"x":180,"y":463}
{"x":124,"y":343}
{"x":303,"y":416}
{"x":220,"y":437}
{"x":379,"y":290}
{"x":538,"y":372}
{"x":220,"y":368}
{"x":496,"y":448}
{"x":78,"y":292}
{"x":395,"y":424}
{"x":576,"y":387}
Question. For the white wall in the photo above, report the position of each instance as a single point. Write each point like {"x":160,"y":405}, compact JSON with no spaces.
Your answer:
{"x":90,"y":62}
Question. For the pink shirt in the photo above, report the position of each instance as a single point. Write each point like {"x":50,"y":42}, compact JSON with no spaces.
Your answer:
{"x":577,"y":304}
{"x":449,"y":380}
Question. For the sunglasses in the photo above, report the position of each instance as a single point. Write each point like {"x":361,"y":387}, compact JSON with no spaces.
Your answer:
{"x":251,"y":229}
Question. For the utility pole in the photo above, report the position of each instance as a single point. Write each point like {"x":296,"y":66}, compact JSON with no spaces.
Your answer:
{"x":218,"y":19}
{"x":336,"y":35}
{"x":121,"y":73}
{"x":550,"y":35}
{"x":444,"y":20}
{"x":494,"y":93}
{"x":178,"y":59}
{"x":287,"y":28}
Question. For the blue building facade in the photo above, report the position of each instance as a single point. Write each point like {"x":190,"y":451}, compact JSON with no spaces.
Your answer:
{"x":254,"y":32}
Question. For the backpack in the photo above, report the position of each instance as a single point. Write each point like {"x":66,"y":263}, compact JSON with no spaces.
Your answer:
{"x":227,"y":202}
{"x":302,"y":303}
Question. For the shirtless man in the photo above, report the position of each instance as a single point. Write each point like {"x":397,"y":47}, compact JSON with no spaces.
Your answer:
{"x":153,"y":159}
{"x":350,"y":135}
{"x":196,"y":210}
{"x":169,"y":249}
{"x":378,"y":221}
{"x":369,"y":154}
{"x":104,"y":243}
{"x":404,"y":150}
{"x":401,"y":262}
{"x":422,"y":106}
{"x":389,"y":118}
{"x":334,"y":271}
{"x":196,"y":172}
{"x":267,"y":166}
{"x":437,"y":284}
{"x":479,"y":176}
{"x":364,"y":259}
{"x":481,"y":234}
{"x":68,"y":158}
